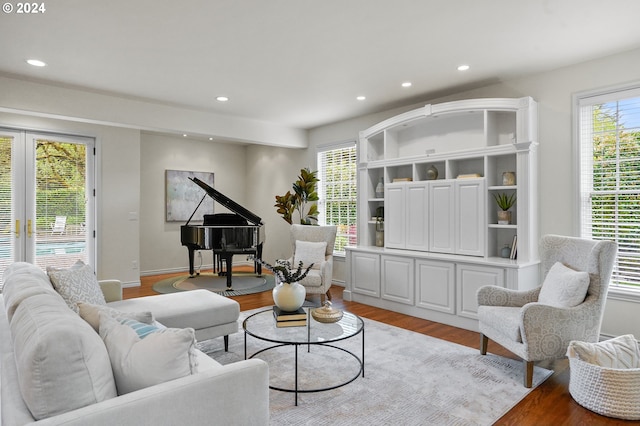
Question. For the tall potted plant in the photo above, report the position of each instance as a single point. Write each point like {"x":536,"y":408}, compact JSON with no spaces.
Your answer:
{"x":304,"y":193}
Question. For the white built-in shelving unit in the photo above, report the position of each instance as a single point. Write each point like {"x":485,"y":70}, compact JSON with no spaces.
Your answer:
{"x":442,"y":240}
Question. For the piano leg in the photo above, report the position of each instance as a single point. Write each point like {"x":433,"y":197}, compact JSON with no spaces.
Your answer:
{"x":257,"y":268}
{"x":191,"y":272}
{"x":229,"y":260}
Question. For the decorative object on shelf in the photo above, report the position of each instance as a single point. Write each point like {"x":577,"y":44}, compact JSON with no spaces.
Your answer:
{"x":508,"y":178}
{"x":304,"y":191}
{"x":469,"y":176}
{"x":404,"y":179}
{"x":326,"y":313}
{"x":288,"y":294}
{"x":505,"y":202}
{"x":380,"y":226}
{"x":380,"y":189}
{"x":506,"y":251}
{"x":432,"y":173}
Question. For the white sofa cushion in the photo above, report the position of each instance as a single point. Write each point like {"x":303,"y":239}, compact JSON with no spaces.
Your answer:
{"x":563,"y":287}
{"x":91,"y":314}
{"x":77,"y":284}
{"x":161,"y":356}
{"x":21,"y":281}
{"x":62,"y":363}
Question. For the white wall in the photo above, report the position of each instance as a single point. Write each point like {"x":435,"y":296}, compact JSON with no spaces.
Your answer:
{"x":553,"y":90}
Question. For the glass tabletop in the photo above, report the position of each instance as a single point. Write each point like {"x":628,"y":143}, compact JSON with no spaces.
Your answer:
{"x":262,"y":325}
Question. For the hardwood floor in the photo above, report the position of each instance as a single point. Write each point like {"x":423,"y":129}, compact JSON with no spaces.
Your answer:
{"x":548,"y":404}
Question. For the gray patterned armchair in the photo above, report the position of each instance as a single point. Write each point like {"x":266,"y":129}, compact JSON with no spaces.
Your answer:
{"x":318,"y":281}
{"x":535,"y":331}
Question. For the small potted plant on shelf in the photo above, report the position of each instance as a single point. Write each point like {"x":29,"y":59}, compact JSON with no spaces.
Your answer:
{"x":505,"y":202}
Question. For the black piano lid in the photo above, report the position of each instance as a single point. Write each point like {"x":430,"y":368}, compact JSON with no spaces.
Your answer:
{"x":228,"y":202}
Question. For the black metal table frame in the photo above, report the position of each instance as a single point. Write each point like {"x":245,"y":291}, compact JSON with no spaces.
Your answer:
{"x":296,"y":389}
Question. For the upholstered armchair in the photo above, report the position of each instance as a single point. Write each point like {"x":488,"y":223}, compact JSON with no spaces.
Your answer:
{"x":314,"y":244}
{"x":539,"y":324}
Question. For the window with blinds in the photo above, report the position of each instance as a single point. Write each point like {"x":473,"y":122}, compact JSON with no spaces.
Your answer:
{"x":337,"y":171}
{"x":609,"y":145}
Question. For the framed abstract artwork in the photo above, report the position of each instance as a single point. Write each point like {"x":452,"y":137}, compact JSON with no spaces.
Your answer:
{"x":182,"y":196}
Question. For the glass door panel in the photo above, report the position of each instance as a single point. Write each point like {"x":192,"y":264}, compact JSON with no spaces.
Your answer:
{"x":9,"y":229}
{"x":61,"y":218}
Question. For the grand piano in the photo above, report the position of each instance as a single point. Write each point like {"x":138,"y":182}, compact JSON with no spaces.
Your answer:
{"x":240,"y":232}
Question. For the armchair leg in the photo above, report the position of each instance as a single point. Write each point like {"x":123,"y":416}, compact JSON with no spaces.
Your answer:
{"x":484,"y":341}
{"x":226,"y":343}
{"x":329,"y":294}
{"x":528,"y":374}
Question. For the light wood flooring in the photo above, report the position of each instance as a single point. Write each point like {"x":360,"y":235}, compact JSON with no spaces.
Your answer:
{"x":548,"y":404}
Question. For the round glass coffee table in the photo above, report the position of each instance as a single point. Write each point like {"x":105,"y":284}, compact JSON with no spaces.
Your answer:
{"x":262,"y":326}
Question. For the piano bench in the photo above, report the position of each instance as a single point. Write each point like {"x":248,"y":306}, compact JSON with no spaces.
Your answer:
{"x":209,"y":314}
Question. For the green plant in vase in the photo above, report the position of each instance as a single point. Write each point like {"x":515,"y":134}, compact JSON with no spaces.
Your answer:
{"x":504,"y":202}
{"x":304,"y":192}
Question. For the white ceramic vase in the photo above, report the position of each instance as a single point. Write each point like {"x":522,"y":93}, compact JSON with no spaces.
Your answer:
{"x":289,"y":296}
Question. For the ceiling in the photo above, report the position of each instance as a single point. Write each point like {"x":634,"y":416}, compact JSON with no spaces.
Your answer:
{"x":302,"y":63}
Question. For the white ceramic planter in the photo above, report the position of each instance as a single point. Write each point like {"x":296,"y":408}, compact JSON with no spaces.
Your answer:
{"x":289,"y":297}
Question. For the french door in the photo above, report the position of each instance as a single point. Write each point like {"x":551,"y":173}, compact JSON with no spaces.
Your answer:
{"x":47,"y":200}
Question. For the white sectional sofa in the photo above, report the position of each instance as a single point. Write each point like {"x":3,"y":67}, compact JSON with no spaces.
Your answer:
{"x":56,"y":369}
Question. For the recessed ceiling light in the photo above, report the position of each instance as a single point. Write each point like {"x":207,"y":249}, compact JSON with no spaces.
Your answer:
{"x":210,"y":139}
{"x":184,"y":135}
{"x":36,"y":63}
{"x":463,"y":67}
{"x":222,"y":99}
{"x":361,"y":98}
{"x":406,"y":84}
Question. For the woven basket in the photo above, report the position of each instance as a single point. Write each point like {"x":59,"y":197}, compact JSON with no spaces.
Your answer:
{"x":611,"y":392}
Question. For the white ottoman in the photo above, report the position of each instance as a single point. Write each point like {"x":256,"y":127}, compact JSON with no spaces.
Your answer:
{"x":208,"y":313}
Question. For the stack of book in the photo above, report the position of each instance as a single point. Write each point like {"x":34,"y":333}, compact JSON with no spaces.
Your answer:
{"x":289,"y":319}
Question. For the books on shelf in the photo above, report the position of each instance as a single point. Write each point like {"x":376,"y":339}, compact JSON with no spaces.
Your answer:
{"x":289,"y":319}
{"x":514,"y":248}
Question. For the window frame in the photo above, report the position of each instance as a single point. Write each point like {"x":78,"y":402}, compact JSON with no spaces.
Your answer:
{"x":580,"y":100}
{"x":320,"y":150}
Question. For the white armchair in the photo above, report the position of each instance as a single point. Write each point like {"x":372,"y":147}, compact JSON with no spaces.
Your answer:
{"x":535,"y":331}
{"x":318,"y":281}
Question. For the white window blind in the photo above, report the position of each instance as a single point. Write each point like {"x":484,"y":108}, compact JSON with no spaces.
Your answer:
{"x":609,"y":145}
{"x":337,"y":171}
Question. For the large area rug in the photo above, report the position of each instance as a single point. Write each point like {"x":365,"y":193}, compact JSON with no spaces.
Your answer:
{"x":410,"y":379}
{"x":242,"y":283}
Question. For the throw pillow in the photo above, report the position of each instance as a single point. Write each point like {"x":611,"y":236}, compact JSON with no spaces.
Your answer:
{"x":309,"y":252}
{"x":620,"y":352}
{"x":163,"y":355}
{"x":91,"y":314}
{"x":563,"y":287}
{"x":77,"y":284}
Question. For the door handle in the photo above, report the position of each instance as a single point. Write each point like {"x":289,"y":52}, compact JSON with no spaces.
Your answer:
{"x":17,"y":228}
{"x":29,"y":232}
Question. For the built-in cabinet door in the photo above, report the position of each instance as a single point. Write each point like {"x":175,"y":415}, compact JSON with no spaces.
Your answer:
{"x":441,"y":216}
{"x":435,"y":285}
{"x":417,"y":225}
{"x":469,"y":278}
{"x":397,"y":279}
{"x":471,"y":216}
{"x":394,"y":216}
{"x":365,"y":273}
